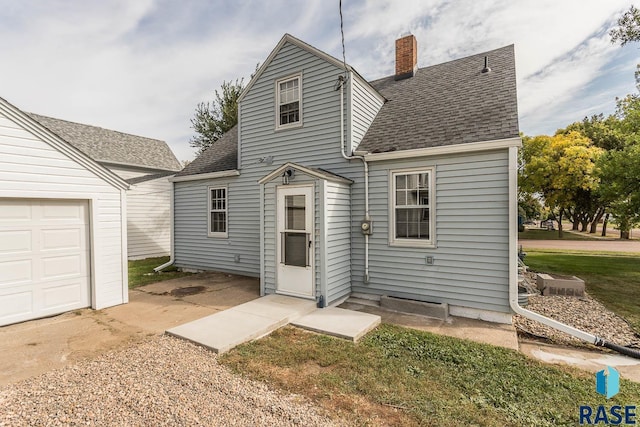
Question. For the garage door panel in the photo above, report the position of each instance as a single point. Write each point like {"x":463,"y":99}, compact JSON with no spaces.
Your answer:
{"x":44,"y":258}
{"x":63,"y":239}
{"x":54,"y":267}
{"x":15,"y":307}
{"x":15,"y":241}
{"x":16,"y":272}
{"x":61,"y":296}
{"x":63,"y":211}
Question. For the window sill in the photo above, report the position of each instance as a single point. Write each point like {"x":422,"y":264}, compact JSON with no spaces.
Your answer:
{"x":413,"y":244}
{"x":218,"y":235}
{"x":289,"y":126}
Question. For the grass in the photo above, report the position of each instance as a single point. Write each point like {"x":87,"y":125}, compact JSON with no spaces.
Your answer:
{"x":614,"y":280}
{"x":540,"y":234}
{"x":141,"y":272}
{"x":403,"y":377}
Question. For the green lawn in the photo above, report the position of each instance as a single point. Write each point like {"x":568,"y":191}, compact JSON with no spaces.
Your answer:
{"x":403,"y":377}
{"x":540,"y":234}
{"x":141,"y":272}
{"x":613,"y":279}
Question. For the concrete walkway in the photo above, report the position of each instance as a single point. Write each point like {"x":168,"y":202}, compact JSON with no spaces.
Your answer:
{"x":225,"y":330}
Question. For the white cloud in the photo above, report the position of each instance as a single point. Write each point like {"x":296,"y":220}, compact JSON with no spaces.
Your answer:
{"x":141,"y":67}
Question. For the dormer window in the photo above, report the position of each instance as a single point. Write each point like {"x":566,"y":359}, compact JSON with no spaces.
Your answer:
{"x":288,"y":105}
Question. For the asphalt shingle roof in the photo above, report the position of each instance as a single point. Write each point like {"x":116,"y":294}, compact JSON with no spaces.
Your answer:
{"x":111,"y":146}
{"x":221,"y":156}
{"x":447,"y":104}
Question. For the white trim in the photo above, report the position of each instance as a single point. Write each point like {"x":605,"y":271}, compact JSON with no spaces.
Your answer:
{"x":94,"y":236}
{"x":218,"y":234}
{"x":210,"y":175}
{"x":18,"y":116}
{"x":278,"y":82}
{"x":262,"y":239}
{"x":302,"y":45}
{"x":406,"y":242}
{"x":275,"y":173}
{"x":322,"y":244}
{"x":445,"y":149}
{"x":132,"y":165}
{"x":123,"y":231}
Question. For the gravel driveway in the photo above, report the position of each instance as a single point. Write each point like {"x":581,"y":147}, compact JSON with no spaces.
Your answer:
{"x":160,"y":382}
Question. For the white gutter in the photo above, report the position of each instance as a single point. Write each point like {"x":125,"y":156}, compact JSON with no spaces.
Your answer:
{"x":211,"y":175}
{"x":513,"y":260}
{"x":367,"y":217}
{"x":172,"y":232}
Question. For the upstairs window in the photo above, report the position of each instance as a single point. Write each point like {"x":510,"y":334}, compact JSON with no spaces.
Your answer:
{"x":412,"y":208}
{"x":288,"y":106}
{"x":218,"y":212}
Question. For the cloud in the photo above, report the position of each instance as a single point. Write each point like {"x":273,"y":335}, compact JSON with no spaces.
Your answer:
{"x":143,"y":66}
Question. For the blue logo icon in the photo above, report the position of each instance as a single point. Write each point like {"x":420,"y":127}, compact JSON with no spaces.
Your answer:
{"x":608,"y":382}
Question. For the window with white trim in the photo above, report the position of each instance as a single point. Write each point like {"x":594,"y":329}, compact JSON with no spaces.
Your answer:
{"x":412,"y":212}
{"x":218,"y":219}
{"x":288,"y":105}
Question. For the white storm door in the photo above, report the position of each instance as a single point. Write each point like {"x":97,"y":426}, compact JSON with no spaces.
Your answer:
{"x":295,"y":241}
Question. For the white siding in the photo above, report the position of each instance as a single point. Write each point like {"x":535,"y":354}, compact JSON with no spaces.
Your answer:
{"x":31,"y":168}
{"x":149,"y":219}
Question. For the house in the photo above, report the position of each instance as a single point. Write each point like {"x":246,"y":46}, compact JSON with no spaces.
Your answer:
{"x":63,"y":240}
{"x":331,"y":186}
{"x":146,"y":164}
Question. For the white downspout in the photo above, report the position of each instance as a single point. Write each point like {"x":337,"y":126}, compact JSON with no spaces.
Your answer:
{"x":341,"y":82}
{"x":171,"y":227}
{"x":513,"y":260}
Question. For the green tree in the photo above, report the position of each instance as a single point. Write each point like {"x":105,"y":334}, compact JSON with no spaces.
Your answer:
{"x":214,"y":119}
{"x":619,"y":173}
{"x":628,"y":29}
{"x":558,"y":168}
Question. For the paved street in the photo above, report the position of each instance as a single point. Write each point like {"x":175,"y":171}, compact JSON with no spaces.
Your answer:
{"x":584,"y":245}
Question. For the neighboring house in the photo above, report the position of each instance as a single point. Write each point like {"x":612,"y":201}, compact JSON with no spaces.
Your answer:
{"x":63,"y":240}
{"x":146,"y":164}
{"x":430,"y":218}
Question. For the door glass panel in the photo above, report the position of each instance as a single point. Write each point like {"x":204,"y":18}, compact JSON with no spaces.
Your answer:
{"x":294,"y":211}
{"x":295,"y":249}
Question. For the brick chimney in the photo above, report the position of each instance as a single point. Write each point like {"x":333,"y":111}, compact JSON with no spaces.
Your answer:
{"x":406,"y":57}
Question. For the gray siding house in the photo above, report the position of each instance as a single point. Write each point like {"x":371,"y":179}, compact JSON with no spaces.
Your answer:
{"x":146,"y":164}
{"x":331,"y":186}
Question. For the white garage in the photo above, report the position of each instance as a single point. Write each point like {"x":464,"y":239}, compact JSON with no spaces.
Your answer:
{"x":62,"y":225}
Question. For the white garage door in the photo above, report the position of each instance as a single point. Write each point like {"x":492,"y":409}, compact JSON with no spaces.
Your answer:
{"x":44,"y":258}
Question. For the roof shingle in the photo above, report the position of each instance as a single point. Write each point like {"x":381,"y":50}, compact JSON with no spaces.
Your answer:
{"x":110,"y":146}
{"x":221,"y":156}
{"x":447,"y":104}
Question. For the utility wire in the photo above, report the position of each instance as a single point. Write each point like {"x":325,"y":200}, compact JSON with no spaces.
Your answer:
{"x":344,"y":58}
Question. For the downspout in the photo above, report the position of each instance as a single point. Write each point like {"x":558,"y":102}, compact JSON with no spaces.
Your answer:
{"x":513,"y":273}
{"x":367,"y":217}
{"x":171,"y":227}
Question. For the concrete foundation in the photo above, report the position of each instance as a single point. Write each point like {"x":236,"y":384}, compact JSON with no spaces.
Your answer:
{"x":439,"y":311}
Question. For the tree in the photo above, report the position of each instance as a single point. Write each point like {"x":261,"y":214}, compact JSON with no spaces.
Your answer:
{"x":628,"y":29}
{"x":212,"y":120}
{"x":559,"y":168}
{"x":619,"y":172}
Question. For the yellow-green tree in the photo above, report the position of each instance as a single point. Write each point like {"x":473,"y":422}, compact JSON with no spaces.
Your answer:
{"x":559,"y":168}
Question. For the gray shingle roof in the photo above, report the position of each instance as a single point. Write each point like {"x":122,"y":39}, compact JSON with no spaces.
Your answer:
{"x":145,"y":178}
{"x":221,"y":156}
{"x":111,"y":146}
{"x":446,"y":104}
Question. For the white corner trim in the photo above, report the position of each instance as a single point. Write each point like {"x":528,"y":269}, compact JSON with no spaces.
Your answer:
{"x":446,"y":149}
{"x":210,"y":175}
{"x":124,"y":243}
{"x":275,"y":173}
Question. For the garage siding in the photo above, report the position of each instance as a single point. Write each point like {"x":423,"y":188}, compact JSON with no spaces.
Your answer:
{"x":31,"y":168}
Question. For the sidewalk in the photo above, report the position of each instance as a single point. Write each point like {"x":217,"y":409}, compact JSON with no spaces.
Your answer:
{"x":632,"y":246}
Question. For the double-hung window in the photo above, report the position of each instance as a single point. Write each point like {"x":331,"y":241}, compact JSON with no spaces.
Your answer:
{"x":218,"y":220}
{"x":288,"y":102}
{"x":412,"y":208}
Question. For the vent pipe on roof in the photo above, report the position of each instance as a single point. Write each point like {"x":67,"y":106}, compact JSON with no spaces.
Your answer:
{"x":486,"y":68}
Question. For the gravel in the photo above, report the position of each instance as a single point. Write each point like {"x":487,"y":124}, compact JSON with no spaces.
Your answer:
{"x":161,"y":382}
{"x":584,"y":313}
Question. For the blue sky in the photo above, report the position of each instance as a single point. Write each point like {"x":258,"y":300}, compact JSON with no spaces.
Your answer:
{"x":142,"y":66}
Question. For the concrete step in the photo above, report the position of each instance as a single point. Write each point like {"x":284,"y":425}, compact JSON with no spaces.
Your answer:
{"x":338,"y":322}
{"x":227,"y":329}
